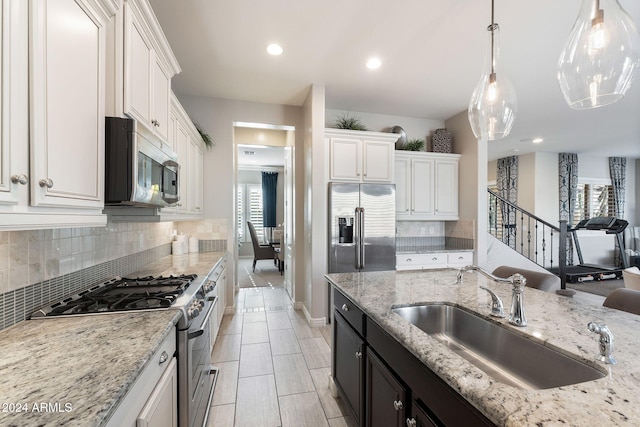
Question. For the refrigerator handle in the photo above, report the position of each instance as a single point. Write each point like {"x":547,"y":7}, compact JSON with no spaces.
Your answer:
{"x":357,"y":237}
{"x":359,"y":217}
{"x":362,"y":257}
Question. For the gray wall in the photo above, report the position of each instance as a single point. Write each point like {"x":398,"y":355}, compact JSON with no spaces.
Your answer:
{"x":217,"y":117}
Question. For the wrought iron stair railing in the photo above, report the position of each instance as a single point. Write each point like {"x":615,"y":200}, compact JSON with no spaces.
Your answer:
{"x":529,"y":235}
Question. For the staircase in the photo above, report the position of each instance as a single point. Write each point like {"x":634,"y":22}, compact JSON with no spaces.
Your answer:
{"x":530,"y":236}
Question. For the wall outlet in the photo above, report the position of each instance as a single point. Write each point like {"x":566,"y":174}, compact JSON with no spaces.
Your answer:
{"x":432,"y":230}
{"x":423,"y":231}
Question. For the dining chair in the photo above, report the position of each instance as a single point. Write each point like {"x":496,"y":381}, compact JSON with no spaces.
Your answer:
{"x":260,"y":252}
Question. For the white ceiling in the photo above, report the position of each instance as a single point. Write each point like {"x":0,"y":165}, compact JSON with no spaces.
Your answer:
{"x":254,"y":155}
{"x":432,"y":53}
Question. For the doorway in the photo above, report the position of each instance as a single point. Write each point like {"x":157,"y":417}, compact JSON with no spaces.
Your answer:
{"x":264,"y":148}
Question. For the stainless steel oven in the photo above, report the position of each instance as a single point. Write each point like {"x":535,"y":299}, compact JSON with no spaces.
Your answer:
{"x":193,"y":297}
{"x":195,"y":390}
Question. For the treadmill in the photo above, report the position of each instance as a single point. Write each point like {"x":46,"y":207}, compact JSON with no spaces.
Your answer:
{"x":588,"y":272}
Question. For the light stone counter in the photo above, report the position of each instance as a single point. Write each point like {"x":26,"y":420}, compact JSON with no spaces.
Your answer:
{"x":75,"y":371}
{"x":557,"y":321}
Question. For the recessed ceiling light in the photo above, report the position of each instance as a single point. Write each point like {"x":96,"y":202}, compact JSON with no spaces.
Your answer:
{"x":373,"y":63}
{"x":275,"y":49}
{"x":537,"y":140}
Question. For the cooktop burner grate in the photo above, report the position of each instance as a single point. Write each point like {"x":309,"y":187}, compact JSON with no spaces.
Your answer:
{"x":125,"y":294}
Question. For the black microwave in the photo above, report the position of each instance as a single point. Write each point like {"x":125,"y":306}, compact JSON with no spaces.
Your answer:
{"x":139,"y":169}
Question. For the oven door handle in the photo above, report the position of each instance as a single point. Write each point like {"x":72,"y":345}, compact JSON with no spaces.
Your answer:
{"x":196,"y":334}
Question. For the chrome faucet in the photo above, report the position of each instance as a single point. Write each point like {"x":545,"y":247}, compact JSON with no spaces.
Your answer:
{"x":497,"y":309}
{"x":606,"y":342}
{"x":517,"y":281}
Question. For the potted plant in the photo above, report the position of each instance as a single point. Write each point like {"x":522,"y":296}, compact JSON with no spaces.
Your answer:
{"x":345,"y":121}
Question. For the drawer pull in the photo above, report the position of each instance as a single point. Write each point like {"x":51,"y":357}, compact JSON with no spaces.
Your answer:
{"x":358,"y":355}
{"x":345,"y":307}
{"x":409,"y":260}
{"x":434,"y":259}
{"x":460,"y":257}
{"x":397,"y":404}
{"x":411,"y":422}
{"x":163,"y":358}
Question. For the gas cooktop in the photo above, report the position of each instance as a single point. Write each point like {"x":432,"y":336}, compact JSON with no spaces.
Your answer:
{"x":121,"y":294}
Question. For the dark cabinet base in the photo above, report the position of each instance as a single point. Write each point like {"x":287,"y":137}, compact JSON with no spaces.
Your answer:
{"x":384,"y":384}
{"x":348,"y":367}
{"x":386,"y":397}
{"x":445,"y":406}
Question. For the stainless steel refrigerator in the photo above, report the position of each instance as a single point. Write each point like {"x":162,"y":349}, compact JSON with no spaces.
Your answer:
{"x":362,"y":227}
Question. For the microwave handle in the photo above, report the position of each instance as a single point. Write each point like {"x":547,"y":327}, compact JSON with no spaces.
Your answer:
{"x":171,"y":163}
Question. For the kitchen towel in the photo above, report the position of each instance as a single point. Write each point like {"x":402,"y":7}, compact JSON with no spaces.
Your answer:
{"x":194,"y":244}
{"x":177,"y":247}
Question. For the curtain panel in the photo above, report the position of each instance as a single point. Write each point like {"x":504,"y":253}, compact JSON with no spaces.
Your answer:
{"x":507,"y":183}
{"x":618,"y":172}
{"x":568,"y":179}
{"x":269,"y":198}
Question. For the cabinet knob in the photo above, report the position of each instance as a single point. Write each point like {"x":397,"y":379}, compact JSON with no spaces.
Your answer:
{"x":19,"y":179}
{"x":397,"y":404}
{"x":358,"y":355}
{"x":46,"y":183}
{"x":411,"y":422}
{"x":345,"y":307}
{"x":163,"y":358}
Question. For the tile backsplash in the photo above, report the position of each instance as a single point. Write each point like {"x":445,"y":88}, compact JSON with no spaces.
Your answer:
{"x":28,"y":257}
{"x":419,"y":235}
{"x":38,"y":267}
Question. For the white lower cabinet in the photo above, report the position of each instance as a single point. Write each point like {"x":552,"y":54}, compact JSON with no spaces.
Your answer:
{"x":459,"y":259}
{"x":161,"y":409}
{"x":153,"y":398}
{"x":218,"y":275}
{"x":427,"y":261}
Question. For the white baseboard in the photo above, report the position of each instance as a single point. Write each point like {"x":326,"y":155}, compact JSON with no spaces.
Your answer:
{"x":229,"y":310}
{"x":317,"y":322}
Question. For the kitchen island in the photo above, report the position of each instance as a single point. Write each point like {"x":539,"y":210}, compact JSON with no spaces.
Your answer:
{"x":76,"y":371}
{"x":558,"y":322}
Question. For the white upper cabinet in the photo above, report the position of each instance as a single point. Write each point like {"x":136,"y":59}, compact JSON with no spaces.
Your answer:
{"x":426,"y":186}
{"x":14,"y":89}
{"x":67,"y":56}
{"x":360,"y":156}
{"x":188,"y":145}
{"x":53,"y":100}
{"x":149,"y":65}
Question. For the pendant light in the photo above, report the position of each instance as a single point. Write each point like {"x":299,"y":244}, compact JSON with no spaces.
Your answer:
{"x":599,"y":59}
{"x":493,"y":105}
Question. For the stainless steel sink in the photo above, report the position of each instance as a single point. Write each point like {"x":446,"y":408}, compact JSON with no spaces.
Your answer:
{"x":504,"y":355}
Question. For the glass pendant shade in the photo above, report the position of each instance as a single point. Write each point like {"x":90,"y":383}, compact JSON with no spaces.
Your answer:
{"x":600,"y":57}
{"x":493,"y":106}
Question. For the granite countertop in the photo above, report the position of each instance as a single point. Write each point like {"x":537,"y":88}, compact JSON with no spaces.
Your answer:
{"x":557,"y":321}
{"x":78,"y":369}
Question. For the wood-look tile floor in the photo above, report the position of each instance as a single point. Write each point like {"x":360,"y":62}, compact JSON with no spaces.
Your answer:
{"x":273,"y":367}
